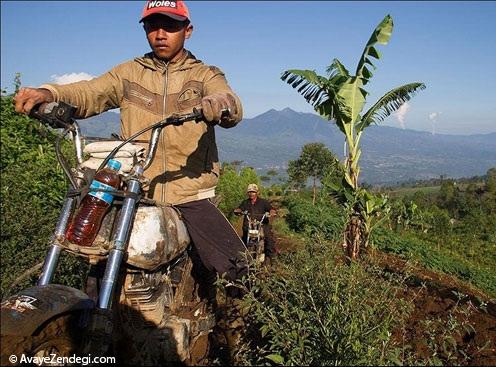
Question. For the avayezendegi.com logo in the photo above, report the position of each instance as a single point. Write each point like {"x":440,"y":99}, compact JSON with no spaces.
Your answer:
{"x":56,"y":360}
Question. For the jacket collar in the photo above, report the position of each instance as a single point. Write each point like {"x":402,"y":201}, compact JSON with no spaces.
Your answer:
{"x":150,"y":61}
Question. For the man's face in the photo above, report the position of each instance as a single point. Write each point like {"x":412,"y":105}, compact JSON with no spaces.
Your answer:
{"x":252,"y":195}
{"x":166,"y":36}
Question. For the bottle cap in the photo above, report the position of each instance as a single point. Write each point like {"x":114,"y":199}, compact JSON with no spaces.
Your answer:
{"x":114,"y":164}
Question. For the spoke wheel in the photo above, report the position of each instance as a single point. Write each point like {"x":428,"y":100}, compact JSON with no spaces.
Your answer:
{"x":59,"y":337}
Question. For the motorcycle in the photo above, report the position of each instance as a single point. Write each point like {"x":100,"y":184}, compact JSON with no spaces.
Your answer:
{"x":255,"y":236}
{"x":141,"y":302}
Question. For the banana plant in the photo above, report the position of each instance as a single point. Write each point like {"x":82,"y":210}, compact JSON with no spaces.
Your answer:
{"x":365,"y":210}
{"x":341,"y":97}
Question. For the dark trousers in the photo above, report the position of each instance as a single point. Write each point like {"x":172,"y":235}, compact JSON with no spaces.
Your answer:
{"x":269,"y":249}
{"x":215,"y":241}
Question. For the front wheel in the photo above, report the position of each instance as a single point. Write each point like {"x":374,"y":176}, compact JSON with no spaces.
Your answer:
{"x":58,"y":337}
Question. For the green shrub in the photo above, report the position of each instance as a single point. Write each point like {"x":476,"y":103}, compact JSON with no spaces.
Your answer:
{"x":232,"y":187}
{"x":315,"y":311}
{"x":32,"y":189}
{"x":453,"y":230}
{"x":323,"y":218}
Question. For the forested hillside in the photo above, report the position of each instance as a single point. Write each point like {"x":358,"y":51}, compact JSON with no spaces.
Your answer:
{"x":391,"y":155}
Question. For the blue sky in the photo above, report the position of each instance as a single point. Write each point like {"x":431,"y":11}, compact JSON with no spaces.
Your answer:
{"x":450,"y":46}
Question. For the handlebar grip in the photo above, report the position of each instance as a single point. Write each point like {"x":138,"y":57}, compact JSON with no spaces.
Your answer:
{"x":198,"y":113}
{"x":39,"y":110}
{"x":56,"y":114}
{"x":175,"y":119}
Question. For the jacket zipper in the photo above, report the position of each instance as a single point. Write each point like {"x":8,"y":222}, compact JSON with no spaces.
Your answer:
{"x":164,"y":109}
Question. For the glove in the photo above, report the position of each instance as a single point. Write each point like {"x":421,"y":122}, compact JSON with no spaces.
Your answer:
{"x":214,"y":104}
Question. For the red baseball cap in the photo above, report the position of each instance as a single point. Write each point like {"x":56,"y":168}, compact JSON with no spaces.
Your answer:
{"x":174,"y":9}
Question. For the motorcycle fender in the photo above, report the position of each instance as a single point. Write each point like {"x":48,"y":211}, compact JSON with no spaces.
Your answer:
{"x":23,"y":313}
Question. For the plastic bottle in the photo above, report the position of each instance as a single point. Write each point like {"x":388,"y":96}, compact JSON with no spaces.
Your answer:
{"x":86,"y":223}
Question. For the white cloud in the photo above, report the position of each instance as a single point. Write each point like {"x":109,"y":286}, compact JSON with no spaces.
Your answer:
{"x":400,"y":114}
{"x":71,"y":78}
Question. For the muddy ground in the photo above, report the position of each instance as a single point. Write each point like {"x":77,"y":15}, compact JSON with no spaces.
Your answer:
{"x":451,"y":322}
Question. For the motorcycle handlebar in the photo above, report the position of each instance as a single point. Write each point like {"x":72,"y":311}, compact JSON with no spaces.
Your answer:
{"x":245,"y":212}
{"x":61,"y":115}
{"x":55,"y":114}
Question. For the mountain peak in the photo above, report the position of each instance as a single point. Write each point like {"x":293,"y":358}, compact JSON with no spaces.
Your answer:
{"x":284,"y":112}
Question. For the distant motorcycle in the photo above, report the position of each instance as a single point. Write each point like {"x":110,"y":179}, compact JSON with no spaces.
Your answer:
{"x":255,"y":236}
{"x":141,"y":302}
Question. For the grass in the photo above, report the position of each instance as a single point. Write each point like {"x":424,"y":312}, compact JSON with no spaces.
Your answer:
{"x":409,"y":191}
{"x":313,"y":309}
{"x":443,"y":259}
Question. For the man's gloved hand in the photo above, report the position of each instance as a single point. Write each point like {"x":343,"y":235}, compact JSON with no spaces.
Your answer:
{"x":214,"y":104}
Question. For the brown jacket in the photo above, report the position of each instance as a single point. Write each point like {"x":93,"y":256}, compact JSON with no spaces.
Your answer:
{"x":147,"y":90}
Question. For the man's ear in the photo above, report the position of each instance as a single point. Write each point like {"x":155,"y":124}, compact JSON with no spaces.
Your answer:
{"x":188,"y":31}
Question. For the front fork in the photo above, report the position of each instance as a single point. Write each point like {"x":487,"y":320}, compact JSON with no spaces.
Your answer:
{"x":119,"y":240}
{"x":118,"y":243}
{"x":54,"y":251}
{"x":98,"y":336}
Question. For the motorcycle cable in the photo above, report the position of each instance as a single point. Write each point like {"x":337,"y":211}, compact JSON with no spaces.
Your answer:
{"x":63,"y":162}
{"x":57,"y":116}
{"x":196,"y":115}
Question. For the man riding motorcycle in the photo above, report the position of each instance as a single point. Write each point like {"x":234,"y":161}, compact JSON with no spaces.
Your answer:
{"x":167,"y":81}
{"x":256,"y":208}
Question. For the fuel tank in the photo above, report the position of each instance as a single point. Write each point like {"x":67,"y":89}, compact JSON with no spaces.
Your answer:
{"x":157,"y":237}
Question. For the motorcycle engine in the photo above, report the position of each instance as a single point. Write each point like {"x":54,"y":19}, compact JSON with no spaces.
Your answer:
{"x":150,"y":294}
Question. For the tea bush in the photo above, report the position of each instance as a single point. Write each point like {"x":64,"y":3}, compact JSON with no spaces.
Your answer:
{"x":455,"y":230}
